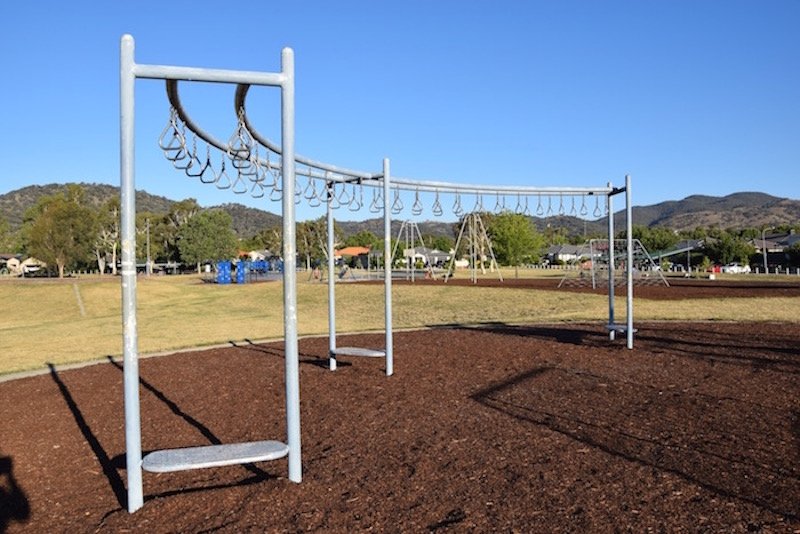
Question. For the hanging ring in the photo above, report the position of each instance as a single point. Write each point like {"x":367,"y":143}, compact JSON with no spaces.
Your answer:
{"x":437,"y":206}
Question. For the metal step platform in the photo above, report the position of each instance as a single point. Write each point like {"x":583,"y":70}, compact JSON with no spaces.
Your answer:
{"x":168,"y":460}
{"x":617,"y":327}
{"x":358,"y":351}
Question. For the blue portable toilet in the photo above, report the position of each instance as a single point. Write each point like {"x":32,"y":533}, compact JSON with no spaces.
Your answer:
{"x":241,"y":269}
{"x":224,"y":272}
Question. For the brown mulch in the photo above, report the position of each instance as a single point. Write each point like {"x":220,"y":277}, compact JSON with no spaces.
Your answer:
{"x":493,"y":428}
{"x":651,"y":288}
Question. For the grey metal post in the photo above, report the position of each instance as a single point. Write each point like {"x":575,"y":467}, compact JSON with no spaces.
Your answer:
{"x":387,"y":260}
{"x":291,"y":352}
{"x":133,"y":436}
{"x":629,"y":260}
{"x":331,"y":283}
{"x":611,"y":253}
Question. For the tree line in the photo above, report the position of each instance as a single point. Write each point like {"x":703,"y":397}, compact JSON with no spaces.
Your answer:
{"x":68,"y":235}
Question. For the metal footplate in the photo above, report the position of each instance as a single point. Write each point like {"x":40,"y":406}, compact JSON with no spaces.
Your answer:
{"x":169,"y":460}
{"x":621,"y":328}
{"x":358,"y":351}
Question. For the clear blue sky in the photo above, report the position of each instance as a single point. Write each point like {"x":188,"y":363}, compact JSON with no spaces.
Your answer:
{"x":689,"y":97}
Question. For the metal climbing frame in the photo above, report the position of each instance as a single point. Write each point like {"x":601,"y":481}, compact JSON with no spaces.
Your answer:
{"x":256,"y":172}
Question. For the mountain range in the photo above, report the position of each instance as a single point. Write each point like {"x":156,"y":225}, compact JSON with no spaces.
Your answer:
{"x":738,"y":210}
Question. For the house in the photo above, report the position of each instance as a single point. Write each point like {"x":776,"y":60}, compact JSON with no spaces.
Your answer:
{"x":773,"y":247}
{"x":567,"y":253}
{"x":427,"y":256}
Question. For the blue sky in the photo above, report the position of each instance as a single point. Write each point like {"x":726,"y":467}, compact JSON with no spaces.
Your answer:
{"x":689,"y":97}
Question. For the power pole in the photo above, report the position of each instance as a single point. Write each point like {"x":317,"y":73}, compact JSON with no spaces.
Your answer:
{"x":148,"y":267}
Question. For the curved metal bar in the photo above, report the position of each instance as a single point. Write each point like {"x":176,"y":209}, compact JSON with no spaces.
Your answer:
{"x":328,"y":172}
{"x":239,"y":103}
{"x":175,"y":102}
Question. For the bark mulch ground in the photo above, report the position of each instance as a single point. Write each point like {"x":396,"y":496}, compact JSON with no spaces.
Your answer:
{"x":647,"y":288}
{"x":491,"y":428}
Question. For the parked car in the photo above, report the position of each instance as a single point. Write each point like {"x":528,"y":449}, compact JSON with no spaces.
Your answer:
{"x":736,"y":268}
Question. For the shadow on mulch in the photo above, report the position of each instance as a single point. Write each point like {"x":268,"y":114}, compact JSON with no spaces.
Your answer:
{"x":305,"y":359}
{"x":111,"y":466}
{"x":494,"y":426}
{"x":729,"y":456}
{"x":106,"y":463}
{"x":560,"y":334}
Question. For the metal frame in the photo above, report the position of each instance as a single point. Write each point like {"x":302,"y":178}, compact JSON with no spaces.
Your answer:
{"x":130,"y":71}
{"x":333,"y":351}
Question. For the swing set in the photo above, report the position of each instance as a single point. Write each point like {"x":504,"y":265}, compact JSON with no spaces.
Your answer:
{"x":249,"y":163}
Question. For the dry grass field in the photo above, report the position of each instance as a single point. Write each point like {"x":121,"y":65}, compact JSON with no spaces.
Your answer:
{"x":78,"y":320}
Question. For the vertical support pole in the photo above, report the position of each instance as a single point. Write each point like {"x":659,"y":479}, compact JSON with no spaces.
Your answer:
{"x":291,"y":352}
{"x":331,"y":283}
{"x":629,"y":260}
{"x":387,"y":261}
{"x":133,"y":436}
{"x":611,"y":274}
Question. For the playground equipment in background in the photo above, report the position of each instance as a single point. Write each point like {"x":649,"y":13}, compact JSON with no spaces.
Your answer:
{"x":478,"y":243}
{"x":602,"y":273}
{"x":244,"y":271}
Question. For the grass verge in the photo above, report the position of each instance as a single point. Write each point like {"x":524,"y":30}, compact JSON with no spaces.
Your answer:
{"x":73,"y":321}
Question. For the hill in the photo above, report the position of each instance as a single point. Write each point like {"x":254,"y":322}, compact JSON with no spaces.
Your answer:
{"x":738,"y":210}
{"x":14,"y":204}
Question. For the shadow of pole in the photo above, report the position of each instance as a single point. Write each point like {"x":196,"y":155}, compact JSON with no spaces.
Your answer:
{"x":662,"y":442}
{"x":114,"y":480}
{"x":203,"y":429}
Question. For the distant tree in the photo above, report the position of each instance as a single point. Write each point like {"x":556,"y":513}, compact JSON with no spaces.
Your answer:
{"x":364,"y":238}
{"x":8,"y":239}
{"x":793,"y":252}
{"x":554,"y":235}
{"x":727,"y":247}
{"x":705,"y":264}
{"x":106,"y":243}
{"x":312,"y":239}
{"x":60,"y":230}
{"x":207,"y":236}
{"x":697,"y":233}
{"x":150,"y":230}
{"x":656,"y":239}
{"x":170,"y":227}
{"x":269,"y":238}
{"x":439,"y":242}
{"x":514,"y":239}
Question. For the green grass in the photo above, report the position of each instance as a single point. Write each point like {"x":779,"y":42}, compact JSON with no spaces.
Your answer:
{"x":42,"y":320}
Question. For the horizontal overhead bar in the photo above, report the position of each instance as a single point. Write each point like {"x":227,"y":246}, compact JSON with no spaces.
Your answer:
{"x":164,"y":72}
